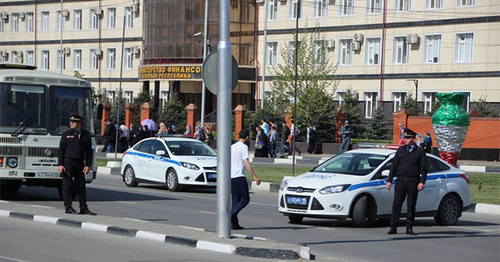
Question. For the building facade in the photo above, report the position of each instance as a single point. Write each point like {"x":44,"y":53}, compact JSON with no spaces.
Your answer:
{"x":386,"y":50}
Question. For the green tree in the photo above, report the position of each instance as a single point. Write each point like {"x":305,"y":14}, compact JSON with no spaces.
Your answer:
{"x":114,"y":109}
{"x":352,"y":110}
{"x":378,"y":124}
{"x":138,"y":100}
{"x":409,"y":103}
{"x":483,"y":108}
{"x":173,"y":112}
{"x":315,"y":87}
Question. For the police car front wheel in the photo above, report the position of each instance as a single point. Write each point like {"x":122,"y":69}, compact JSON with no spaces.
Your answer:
{"x":129,"y":177}
{"x":172,"y":181}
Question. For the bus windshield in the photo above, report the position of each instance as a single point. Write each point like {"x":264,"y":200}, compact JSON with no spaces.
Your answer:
{"x":65,"y":101}
{"x":23,"y":106}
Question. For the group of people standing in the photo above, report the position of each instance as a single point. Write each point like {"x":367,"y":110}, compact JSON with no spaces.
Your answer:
{"x":425,"y":143}
{"x":127,"y":136}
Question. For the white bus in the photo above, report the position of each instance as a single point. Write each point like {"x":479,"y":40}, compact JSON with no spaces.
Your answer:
{"x":35,"y":107}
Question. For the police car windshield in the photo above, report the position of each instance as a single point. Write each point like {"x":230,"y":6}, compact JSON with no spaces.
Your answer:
{"x":359,"y":164}
{"x":190,"y":148}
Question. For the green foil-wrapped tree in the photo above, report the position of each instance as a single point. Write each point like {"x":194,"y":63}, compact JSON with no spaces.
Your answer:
{"x":450,"y":124}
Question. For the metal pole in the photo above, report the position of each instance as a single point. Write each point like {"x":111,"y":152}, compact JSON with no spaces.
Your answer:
{"x":205,"y":38}
{"x":416,"y":96}
{"x":263,"y":84}
{"x":120,"y":88}
{"x":295,"y":88}
{"x":61,"y":40}
{"x":224,"y":124}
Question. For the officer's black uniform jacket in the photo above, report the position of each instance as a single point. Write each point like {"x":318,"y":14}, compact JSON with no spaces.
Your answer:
{"x":72,"y":148}
{"x":409,"y":165}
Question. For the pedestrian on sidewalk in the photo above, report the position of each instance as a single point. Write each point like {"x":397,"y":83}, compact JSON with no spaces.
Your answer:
{"x":427,"y":144}
{"x":239,"y":185}
{"x":346,"y":131}
{"x":74,"y":159}
{"x":294,"y":132}
{"x":312,"y":139}
{"x":109,"y":136}
{"x":285,"y":133}
{"x":410,"y":168}
{"x":124,"y":137}
{"x":273,"y":142}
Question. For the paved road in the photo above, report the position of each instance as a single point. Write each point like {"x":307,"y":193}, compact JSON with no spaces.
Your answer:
{"x":25,"y":241}
{"x":475,"y":238}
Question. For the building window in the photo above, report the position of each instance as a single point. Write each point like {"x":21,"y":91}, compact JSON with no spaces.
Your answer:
{"x":14,"y":22}
{"x":45,"y":63}
{"x":466,"y":3}
{"x":432,"y":49}
{"x":291,"y":52}
{"x":339,"y":96}
{"x":273,"y":10}
{"x":77,"y":59}
{"x":372,"y":51}
{"x":320,"y":8}
{"x":398,"y":98}
{"x":45,"y":21}
{"x":60,"y":21}
{"x":374,"y":6}
{"x":15,"y":57}
{"x":434,"y":4}
{"x":128,"y":96}
{"x":466,"y":104}
{"x":429,"y":101}
{"x":129,"y":17}
{"x":371,"y":103}
{"x":111,"y":18}
{"x":345,"y":52}
{"x":403,"y":5}
{"x":163,"y":98}
{"x":292,"y":11}
{"x":128,"y":58}
{"x":29,"y":22}
{"x":401,"y":48}
{"x":2,"y":25}
{"x":61,"y":60}
{"x":94,"y":19}
{"x":464,"y":46}
{"x":30,"y":57}
{"x":77,"y":19}
{"x":272,"y":54}
{"x":111,"y":58}
{"x":319,"y":52}
{"x":346,"y":7}
{"x":110,"y":95}
{"x":94,"y":59}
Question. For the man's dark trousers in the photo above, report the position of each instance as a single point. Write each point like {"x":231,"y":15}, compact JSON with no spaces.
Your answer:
{"x":404,"y":188}
{"x":240,"y":197}
{"x":74,"y":168}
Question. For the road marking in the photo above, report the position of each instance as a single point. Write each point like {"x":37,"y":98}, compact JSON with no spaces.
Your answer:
{"x":41,"y":206}
{"x":126,"y":202}
{"x":206,"y":212}
{"x":134,"y":219}
{"x":472,"y":229}
{"x":193,"y":228}
{"x":13,"y":259}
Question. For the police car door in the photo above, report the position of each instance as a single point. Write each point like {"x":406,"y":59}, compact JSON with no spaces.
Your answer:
{"x":384,"y":196}
{"x":428,"y":199}
{"x":158,"y":165}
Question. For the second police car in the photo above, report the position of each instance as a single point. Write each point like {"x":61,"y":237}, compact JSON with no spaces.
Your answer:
{"x":172,"y":161}
{"x":353,"y":185}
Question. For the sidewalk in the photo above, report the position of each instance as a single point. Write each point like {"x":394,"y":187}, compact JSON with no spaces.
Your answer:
{"x":238,"y":244}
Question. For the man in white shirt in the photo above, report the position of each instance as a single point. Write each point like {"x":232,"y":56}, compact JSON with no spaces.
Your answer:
{"x":239,"y":185}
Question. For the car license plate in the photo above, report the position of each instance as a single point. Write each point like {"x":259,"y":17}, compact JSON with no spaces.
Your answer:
{"x":211,"y":175}
{"x":296,"y":200}
{"x":47,"y":174}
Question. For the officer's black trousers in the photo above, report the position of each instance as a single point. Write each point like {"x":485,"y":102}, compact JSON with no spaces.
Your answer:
{"x":74,"y":169}
{"x":404,"y":188}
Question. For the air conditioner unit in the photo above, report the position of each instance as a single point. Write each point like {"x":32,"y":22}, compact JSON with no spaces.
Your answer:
{"x":65,"y":13}
{"x":4,"y":55}
{"x":136,"y":2}
{"x":358,"y":38}
{"x":98,"y":11}
{"x":22,"y":16}
{"x":136,"y":50}
{"x":260,"y":1}
{"x":4,"y":16}
{"x":66,"y":51}
{"x":97,"y":51}
{"x":356,"y":46}
{"x":330,"y":44}
{"x":412,"y":39}
{"x":283,"y":1}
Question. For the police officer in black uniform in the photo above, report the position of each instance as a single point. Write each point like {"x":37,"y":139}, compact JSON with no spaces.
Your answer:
{"x":410,"y":168}
{"x":74,"y":160}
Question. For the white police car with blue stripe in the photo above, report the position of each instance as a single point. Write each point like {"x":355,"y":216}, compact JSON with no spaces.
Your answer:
{"x":353,"y":185}
{"x":173,"y":161}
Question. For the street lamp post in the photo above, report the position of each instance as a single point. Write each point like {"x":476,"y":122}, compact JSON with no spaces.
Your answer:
{"x":296,"y":83}
{"x":205,"y":43}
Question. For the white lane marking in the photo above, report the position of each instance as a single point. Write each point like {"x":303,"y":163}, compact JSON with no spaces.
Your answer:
{"x":472,"y":229}
{"x":206,"y":212}
{"x":134,"y":219}
{"x":126,"y":202}
{"x":13,"y":259}
{"x":41,"y":206}
{"x":193,"y":228}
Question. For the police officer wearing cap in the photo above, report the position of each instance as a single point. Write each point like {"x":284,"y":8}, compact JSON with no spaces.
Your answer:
{"x":410,"y":167}
{"x":74,"y":160}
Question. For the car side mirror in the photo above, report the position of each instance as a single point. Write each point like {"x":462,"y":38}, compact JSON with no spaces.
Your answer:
{"x":385,"y":174}
{"x":161,"y":153}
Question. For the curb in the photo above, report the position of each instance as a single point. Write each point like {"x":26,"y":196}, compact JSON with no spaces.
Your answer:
{"x":285,"y":254}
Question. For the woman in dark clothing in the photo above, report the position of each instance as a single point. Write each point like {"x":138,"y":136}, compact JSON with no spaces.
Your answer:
{"x":261,"y":143}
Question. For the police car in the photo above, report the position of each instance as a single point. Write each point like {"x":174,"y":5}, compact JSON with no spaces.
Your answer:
{"x":173,"y":161}
{"x":353,"y":185}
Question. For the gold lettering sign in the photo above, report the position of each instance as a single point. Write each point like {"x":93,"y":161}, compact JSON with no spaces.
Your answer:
{"x":170,"y":72}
